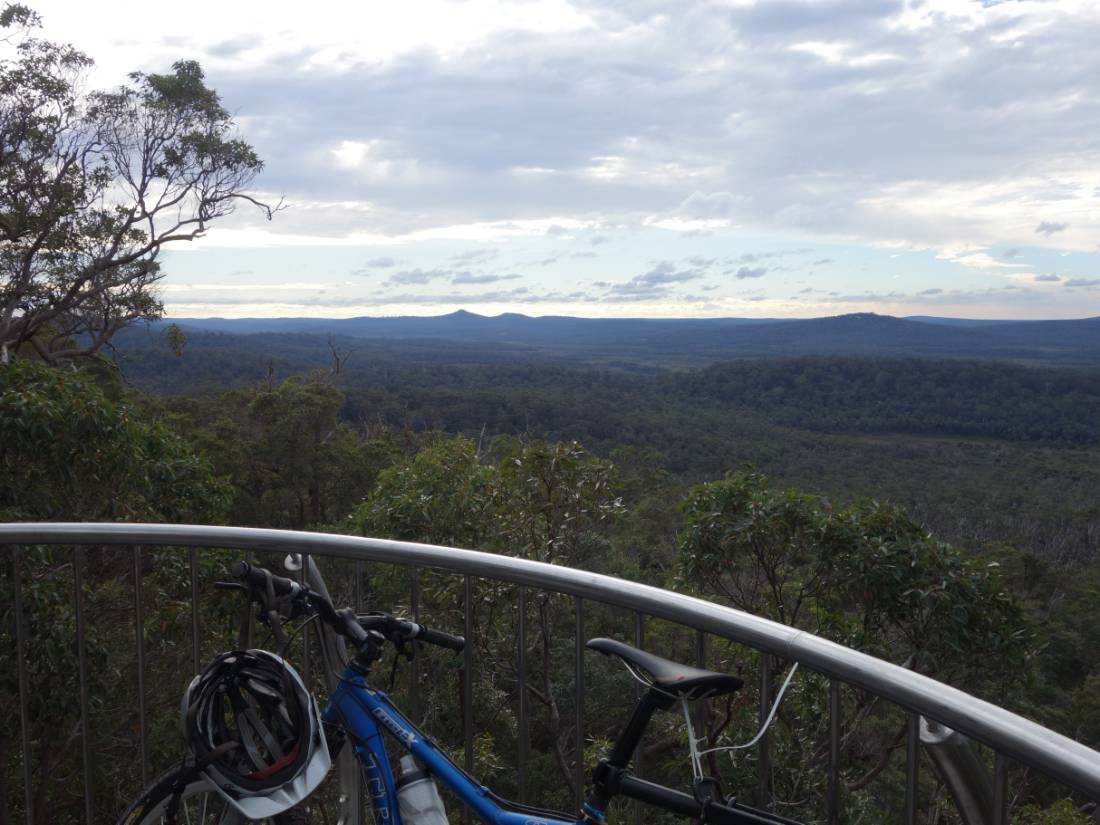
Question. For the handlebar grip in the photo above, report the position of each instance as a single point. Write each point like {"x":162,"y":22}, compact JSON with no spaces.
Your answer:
{"x":438,"y":637}
{"x":257,"y":577}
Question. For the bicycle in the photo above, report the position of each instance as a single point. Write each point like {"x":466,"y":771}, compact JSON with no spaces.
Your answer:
{"x":359,"y":715}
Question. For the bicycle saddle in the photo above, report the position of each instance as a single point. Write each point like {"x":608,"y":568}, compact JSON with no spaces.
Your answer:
{"x":671,"y":677}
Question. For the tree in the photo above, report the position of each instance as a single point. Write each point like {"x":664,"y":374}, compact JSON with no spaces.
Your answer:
{"x":866,"y":576}
{"x":70,"y":452}
{"x":92,"y":187}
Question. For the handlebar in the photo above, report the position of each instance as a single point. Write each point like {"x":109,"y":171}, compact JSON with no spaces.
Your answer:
{"x":345,"y":622}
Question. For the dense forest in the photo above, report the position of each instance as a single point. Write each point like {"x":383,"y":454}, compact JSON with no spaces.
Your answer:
{"x":825,"y":471}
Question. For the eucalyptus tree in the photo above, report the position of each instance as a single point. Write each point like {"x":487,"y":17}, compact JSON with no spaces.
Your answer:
{"x":93,"y":185}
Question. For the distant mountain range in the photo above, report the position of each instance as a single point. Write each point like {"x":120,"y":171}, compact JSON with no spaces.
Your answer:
{"x":693,"y":341}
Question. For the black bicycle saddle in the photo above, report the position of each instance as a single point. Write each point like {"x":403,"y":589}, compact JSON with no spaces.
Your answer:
{"x":671,"y":677}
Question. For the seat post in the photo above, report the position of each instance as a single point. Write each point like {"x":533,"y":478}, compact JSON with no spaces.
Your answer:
{"x":605,"y":780}
{"x":650,"y":702}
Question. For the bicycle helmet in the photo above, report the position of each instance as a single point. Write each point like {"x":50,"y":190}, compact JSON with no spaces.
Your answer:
{"x":255,"y":732}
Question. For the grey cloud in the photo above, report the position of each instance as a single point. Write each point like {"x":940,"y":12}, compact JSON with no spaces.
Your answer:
{"x":234,"y":47}
{"x":1048,"y":277}
{"x":753,"y":257}
{"x":823,"y":262}
{"x":745,"y":272}
{"x":653,"y":284}
{"x":933,"y":291}
{"x":408,"y":277}
{"x":1073,"y":282}
{"x":384,"y":262}
{"x":475,"y":256}
{"x":1048,"y":228}
{"x":468,"y":121}
{"x":716,"y":205}
{"x":1009,"y":254}
{"x":557,"y":231}
{"x":702,"y":263}
{"x":666,"y":272}
{"x":598,"y":239}
{"x":470,"y":278}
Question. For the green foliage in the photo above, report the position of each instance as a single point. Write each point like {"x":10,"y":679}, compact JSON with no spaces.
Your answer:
{"x":291,"y":460}
{"x":69,"y":452}
{"x":866,"y":575}
{"x":1062,"y":812}
{"x":440,"y":496}
{"x":300,"y":453}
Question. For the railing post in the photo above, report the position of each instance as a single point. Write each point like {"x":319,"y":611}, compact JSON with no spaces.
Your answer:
{"x":912,"y":765}
{"x":702,"y":708}
{"x":639,"y":642}
{"x":82,"y":674}
{"x":414,"y":606}
{"x":1000,"y":790}
{"x":303,"y":578}
{"x":139,"y":637}
{"x":578,"y":701}
{"x":195,"y":655}
{"x":521,"y":687}
{"x":24,"y":689}
{"x":833,"y":800}
{"x":765,"y":778}
{"x":467,"y":672}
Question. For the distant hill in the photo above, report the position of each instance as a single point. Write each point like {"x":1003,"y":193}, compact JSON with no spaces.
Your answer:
{"x":630,"y":343}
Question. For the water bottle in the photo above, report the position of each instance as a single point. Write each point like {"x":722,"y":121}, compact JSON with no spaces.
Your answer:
{"x":417,"y":796}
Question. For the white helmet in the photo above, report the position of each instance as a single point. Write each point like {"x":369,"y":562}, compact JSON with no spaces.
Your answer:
{"x":255,"y":731}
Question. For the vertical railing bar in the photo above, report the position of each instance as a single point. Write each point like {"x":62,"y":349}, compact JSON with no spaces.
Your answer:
{"x":833,"y":798}
{"x":639,"y":642}
{"x":912,"y":765}
{"x":303,"y":577}
{"x":701,"y":707}
{"x":1000,"y":789}
{"x":139,"y":637}
{"x":195,"y":650}
{"x":764,"y":779}
{"x":82,"y":675}
{"x":521,"y":687}
{"x":358,"y":586}
{"x":24,"y":690}
{"x":578,"y":702}
{"x":414,"y":607}
{"x":467,"y":681}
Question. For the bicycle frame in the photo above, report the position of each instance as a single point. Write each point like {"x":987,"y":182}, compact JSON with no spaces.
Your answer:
{"x":365,"y":714}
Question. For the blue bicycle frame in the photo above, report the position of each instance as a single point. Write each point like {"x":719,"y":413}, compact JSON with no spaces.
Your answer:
{"x":365,"y":713}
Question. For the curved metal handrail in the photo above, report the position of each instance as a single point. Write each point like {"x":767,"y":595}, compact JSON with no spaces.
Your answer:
{"x":1018,"y":738}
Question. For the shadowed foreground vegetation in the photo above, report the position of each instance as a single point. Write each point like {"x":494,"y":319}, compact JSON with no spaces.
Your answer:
{"x":998,"y":620}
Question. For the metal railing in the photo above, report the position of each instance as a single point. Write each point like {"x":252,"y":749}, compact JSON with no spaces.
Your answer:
{"x":1011,"y":737}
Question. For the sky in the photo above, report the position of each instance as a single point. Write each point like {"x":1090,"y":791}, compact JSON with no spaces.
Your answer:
{"x":770,"y":158}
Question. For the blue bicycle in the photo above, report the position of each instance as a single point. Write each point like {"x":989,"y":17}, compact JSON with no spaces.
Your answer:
{"x":360,"y":716}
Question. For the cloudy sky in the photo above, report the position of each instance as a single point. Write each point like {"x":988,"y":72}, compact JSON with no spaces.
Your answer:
{"x":640,"y":158}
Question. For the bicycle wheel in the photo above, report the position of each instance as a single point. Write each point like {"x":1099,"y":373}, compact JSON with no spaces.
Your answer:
{"x":199,"y":805}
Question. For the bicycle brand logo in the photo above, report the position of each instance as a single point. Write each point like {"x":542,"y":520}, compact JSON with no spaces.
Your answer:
{"x":391,"y":724}
{"x":377,"y":790}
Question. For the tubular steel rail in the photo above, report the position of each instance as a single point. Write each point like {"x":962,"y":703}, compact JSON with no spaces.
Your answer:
{"x":1010,"y":736}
